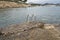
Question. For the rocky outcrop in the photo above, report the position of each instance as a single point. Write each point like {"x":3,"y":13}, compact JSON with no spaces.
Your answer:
{"x":30,"y":31}
{"x":7,"y":4}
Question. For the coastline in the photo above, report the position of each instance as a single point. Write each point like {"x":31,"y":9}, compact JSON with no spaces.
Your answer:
{"x":28,"y":30}
{"x":7,"y":4}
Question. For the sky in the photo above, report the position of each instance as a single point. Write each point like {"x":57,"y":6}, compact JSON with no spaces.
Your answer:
{"x":44,"y":1}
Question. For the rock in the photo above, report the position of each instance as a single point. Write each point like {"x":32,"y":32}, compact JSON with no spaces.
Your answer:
{"x":1,"y":33}
{"x":7,"y":4}
{"x":40,"y":34}
{"x":31,"y":31}
{"x":48,"y":26}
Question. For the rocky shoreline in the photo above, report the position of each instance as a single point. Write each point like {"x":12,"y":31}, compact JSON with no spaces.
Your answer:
{"x":7,"y":4}
{"x":30,"y":31}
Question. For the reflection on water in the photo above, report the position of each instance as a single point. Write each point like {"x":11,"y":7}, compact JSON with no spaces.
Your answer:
{"x":18,"y":15}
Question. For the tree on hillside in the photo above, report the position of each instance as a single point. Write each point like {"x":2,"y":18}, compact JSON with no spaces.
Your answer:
{"x":23,"y":0}
{"x":15,"y":0}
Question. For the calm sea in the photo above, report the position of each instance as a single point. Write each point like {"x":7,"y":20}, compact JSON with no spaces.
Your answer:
{"x":47,"y":14}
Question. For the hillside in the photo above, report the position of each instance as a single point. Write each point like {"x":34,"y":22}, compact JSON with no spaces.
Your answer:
{"x":7,"y":4}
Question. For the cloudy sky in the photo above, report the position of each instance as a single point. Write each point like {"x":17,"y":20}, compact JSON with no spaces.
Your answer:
{"x":44,"y":1}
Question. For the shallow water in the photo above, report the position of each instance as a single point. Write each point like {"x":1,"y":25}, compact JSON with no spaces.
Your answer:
{"x":18,"y":15}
